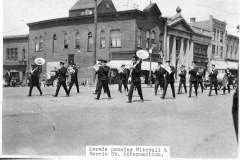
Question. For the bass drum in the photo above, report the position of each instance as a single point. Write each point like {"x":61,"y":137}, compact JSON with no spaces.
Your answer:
{"x":222,"y":78}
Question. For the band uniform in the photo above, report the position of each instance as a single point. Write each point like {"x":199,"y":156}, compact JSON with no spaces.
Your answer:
{"x":169,"y":79}
{"x":182,"y":80}
{"x":74,"y":79}
{"x":193,"y":79}
{"x":213,"y":80}
{"x":159,"y":77}
{"x":34,"y":79}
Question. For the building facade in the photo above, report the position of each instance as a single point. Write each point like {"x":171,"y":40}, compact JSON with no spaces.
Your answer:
{"x":15,"y":55}
{"x":119,"y":35}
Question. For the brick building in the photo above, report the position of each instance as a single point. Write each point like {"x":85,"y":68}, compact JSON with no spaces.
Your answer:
{"x":232,"y":51}
{"x":119,"y":35}
{"x":15,"y":55}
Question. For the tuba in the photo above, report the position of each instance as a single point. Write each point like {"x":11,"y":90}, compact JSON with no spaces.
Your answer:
{"x":70,"y":70}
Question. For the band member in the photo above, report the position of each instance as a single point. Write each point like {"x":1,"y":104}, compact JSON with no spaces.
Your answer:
{"x":102,"y":73}
{"x":123,"y":78}
{"x":199,"y":77}
{"x":98,"y":80}
{"x":8,"y":77}
{"x":74,"y":79}
{"x":182,"y":76}
{"x":229,"y":75}
{"x":34,"y":80}
{"x":135,"y":72}
{"x":159,"y":77}
{"x":213,"y":79}
{"x":112,"y":77}
{"x":193,"y":78}
{"x":61,"y":75}
{"x":169,"y":79}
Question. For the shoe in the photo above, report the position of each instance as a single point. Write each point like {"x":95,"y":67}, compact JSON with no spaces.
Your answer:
{"x":174,"y":97}
{"x":209,"y":94}
{"x":41,"y":94}
{"x":28,"y":95}
{"x":67,"y":95}
{"x":129,"y":101}
{"x":96,"y":98}
{"x":162,"y":97}
{"x":189,"y":96}
{"x":109,"y":98}
{"x":54,"y":95}
{"x":142,"y":101}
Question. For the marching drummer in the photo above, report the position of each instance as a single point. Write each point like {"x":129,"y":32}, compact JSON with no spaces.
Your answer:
{"x":213,"y":79}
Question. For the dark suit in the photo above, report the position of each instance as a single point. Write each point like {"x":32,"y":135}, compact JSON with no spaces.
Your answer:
{"x":103,"y":72}
{"x":34,"y":81}
{"x":193,"y":80}
{"x":8,"y":77}
{"x":74,"y":79}
{"x":112,"y":77}
{"x":123,"y":78}
{"x":61,"y":74}
{"x":213,"y":80}
{"x":169,"y":79}
{"x":182,"y":76}
{"x":200,"y":80}
{"x":235,"y":112}
{"x":135,"y":81}
{"x":159,"y":80}
{"x":228,"y":85}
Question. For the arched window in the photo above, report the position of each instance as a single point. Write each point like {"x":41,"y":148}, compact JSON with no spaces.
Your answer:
{"x":115,"y":38}
{"x":139,"y":38}
{"x":147,"y":40}
{"x":65,"y":41}
{"x":102,"y":39}
{"x":23,"y":54}
{"x":36,"y":44}
{"x":40,"y":43}
{"x":160,"y":41}
{"x":90,"y":41}
{"x":152,"y":37}
{"x":54,"y":43}
{"x":77,"y":41}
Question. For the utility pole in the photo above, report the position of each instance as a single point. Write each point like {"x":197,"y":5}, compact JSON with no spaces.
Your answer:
{"x":95,"y":37}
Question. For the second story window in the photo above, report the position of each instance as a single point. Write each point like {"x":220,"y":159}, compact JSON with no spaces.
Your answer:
{"x":66,"y":41}
{"x":23,"y":54}
{"x":147,"y":40}
{"x":214,"y":34}
{"x":90,"y":42}
{"x":102,"y":39}
{"x":139,"y":38}
{"x":160,"y":42}
{"x":152,"y":38}
{"x":54,"y":43}
{"x":213,"y":50}
{"x":36,"y":44}
{"x":40,"y":43}
{"x":221,"y":36}
{"x":115,"y":38}
{"x":77,"y":41}
{"x":12,"y":54}
{"x":221,"y":52}
{"x":107,"y":5}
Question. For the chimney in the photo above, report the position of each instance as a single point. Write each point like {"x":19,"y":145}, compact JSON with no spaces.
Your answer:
{"x":192,"y":20}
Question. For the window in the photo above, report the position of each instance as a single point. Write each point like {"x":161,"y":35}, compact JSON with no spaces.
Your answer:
{"x":107,"y":5}
{"x":221,"y":36}
{"x":147,"y":40}
{"x":217,"y":39}
{"x":90,"y":41}
{"x":36,"y":44}
{"x":236,"y":52}
{"x":227,"y":47}
{"x":221,"y":52}
{"x":77,"y":41}
{"x":152,"y":38}
{"x":54,"y":43}
{"x":12,"y":54}
{"x":115,"y":38}
{"x":177,"y":45}
{"x":217,"y":50}
{"x":102,"y":39}
{"x":23,"y":54}
{"x":40,"y":43}
{"x":214,"y":34}
{"x":88,"y":12}
{"x":139,"y":38}
{"x":65,"y":41}
{"x":213,"y":50}
{"x":82,"y":13}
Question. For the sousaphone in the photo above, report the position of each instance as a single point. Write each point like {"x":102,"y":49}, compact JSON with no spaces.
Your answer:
{"x":39,"y":61}
{"x":143,"y":54}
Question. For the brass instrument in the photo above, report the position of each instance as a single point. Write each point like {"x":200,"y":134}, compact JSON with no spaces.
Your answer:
{"x":70,"y":70}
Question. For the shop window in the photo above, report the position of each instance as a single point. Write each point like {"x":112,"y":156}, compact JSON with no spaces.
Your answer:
{"x":54,"y":43}
{"x":221,"y":36}
{"x":90,"y":42}
{"x":213,"y":50}
{"x":77,"y":41}
{"x":66,"y":41}
{"x":115,"y":38}
{"x":102,"y":39}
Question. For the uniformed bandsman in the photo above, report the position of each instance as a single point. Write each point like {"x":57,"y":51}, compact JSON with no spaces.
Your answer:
{"x":182,"y":80}
{"x":74,"y":79}
{"x":193,"y":78}
{"x":213,"y":79}
{"x":34,"y":79}
{"x":159,"y":77}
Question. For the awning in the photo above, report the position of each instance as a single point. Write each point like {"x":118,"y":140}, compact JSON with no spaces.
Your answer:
{"x":220,"y":64}
{"x":13,"y":70}
{"x":232,"y":65}
{"x":118,"y":63}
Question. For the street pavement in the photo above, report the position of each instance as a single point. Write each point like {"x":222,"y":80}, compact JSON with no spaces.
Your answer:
{"x":199,"y":127}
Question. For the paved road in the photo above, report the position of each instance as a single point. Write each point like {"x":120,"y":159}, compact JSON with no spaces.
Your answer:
{"x":44,"y":125}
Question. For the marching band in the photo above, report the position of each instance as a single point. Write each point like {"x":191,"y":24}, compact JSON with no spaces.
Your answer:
{"x":163,"y":74}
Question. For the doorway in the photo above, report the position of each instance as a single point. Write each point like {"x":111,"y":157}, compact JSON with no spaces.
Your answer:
{"x":71,"y":59}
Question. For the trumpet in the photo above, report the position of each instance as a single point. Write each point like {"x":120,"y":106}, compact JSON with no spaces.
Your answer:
{"x":70,"y":70}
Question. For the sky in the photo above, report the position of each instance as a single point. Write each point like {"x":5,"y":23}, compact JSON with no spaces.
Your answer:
{"x":17,"y":13}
